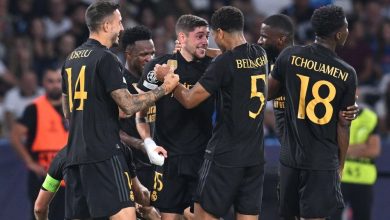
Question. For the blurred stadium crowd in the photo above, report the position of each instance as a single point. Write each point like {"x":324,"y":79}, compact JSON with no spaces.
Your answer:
{"x":39,"y":34}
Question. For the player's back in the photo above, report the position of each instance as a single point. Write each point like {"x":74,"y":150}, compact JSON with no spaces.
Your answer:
{"x":240,"y":75}
{"x":317,"y":85}
{"x":90,"y":73}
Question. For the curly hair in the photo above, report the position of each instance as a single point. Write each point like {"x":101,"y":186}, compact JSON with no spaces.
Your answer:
{"x":282,"y":22}
{"x":327,"y":19}
{"x":227,"y":18}
{"x":137,"y":33}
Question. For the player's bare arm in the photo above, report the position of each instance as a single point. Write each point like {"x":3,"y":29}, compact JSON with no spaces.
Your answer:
{"x":143,"y":127}
{"x":130,"y":104}
{"x":190,"y":98}
{"x":132,"y":141}
{"x":343,"y":126}
{"x":41,"y":207}
{"x":65,"y":106}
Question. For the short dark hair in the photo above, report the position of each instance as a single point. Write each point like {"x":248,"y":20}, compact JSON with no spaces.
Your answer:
{"x":187,"y":23}
{"x":282,"y":22}
{"x":97,"y":12}
{"x":228,"y":19}
{"x":137,"y":33}
{"x":327,"y":19}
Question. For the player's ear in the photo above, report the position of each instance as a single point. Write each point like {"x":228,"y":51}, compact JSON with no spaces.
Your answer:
{"x":220,"y":33}
{"x":181,"y":36}
{"x":282,"y":40}
{"x":338,"y":36}
{"x":106,"y":26}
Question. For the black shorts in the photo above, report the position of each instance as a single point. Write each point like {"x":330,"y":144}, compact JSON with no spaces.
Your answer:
{"x":146,"y":177}
{"x":174,"y":186}
{"x":98,"y":189}
{"x":220,"y":187}
{"x":309,"y":193}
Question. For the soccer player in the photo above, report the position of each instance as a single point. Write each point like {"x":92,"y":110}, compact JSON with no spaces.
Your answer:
{"x":317,"y":86}
{"x":138,"y":48}
{"x":93,"y":88}
{"x":233,"y":169}
{"x":183,"y":133}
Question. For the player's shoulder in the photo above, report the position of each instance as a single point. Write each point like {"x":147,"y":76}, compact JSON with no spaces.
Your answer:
{"x":163,"y":58}
{"x":295,"y":49}
{"x":346,"y":65}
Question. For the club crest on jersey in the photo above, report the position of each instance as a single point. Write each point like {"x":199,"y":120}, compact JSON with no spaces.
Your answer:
{"x":151,"y":77}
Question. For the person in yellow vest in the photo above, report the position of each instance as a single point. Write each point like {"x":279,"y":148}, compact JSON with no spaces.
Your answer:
{"x":359,"y":174}
{"x":38,"y":135}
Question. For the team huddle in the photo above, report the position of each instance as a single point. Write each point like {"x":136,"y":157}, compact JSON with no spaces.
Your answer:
{"x":182,"y":134}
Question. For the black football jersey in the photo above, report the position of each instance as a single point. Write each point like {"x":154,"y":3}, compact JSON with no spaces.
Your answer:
{"x":179,"y":130}
{"x":317,"y":85}
{"x":56,"y":168}
{"x":90,"y":73}
{"x":278,"y":106}
{"x":128,"y":125}
{"x":238,"y":78}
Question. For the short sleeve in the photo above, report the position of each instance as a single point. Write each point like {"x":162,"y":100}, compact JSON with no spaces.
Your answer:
{"x":110,"y":72}
{"x":216,"y":75}
{"x":148,"y":80}
{"x":278,"y":70}
{"x":57,"y":165}
{"x":29,"y":117}
{"x":349,"y":95}
{"x":64,"y":81}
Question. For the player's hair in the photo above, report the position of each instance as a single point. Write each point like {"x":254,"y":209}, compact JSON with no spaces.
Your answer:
{"x":188,"y":23}
{"x":282,"y":22}
{"x":228,"y":18}
{"x":137,"y":33}
{"x":97,"y":12}
{"x":326,"y":20}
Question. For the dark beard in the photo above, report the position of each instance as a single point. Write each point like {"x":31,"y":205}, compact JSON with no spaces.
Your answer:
{"x":272,"y":52}
{"x":54,"y":95}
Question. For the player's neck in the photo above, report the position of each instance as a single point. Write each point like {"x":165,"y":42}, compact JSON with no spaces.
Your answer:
{"x":104,"y":41}
{"x":326,"y":43}
{"x":132,"y":71}
{"x":236,"y":39}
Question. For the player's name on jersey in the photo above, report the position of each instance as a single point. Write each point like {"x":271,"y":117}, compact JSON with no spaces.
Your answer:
{"x":79,"y":54}
{"x":250,"y":64}
{"x":319,"y":67}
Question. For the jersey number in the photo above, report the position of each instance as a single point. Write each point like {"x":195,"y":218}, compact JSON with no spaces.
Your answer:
{"x":308,"y":110}
{"x":256,"y":94}
{"x":80,"y":94}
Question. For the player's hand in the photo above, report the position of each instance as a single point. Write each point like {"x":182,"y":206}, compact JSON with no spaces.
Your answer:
{"x":340,"y":170}
{"x":161,"y":71}
{"x":37,"y":169}
{"x":351,"y":112}
{"x":142,"y":195}
{"x":155,"y":153}
{"x":178,"y":47}
{"x":170,"y":82}
{"x":149,"y":213}
{"x":188,"y":215}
